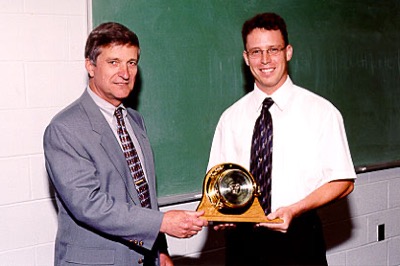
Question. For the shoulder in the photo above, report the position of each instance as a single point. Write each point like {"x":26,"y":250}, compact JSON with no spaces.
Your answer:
{"x":80,"y":114}
{"x":133,"y":113}
{"x":315,"y":104}
{"x":70,"y":114}
{"x":238,"y":108}
{"x":136,"y":117}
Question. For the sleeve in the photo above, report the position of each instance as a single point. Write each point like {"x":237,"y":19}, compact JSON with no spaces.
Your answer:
{"x":216,"y":155}
{"x":335,"y":152}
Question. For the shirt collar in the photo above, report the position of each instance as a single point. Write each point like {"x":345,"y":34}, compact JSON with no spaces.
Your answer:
{"x":107,"y":108}
{"x":280,"y":96}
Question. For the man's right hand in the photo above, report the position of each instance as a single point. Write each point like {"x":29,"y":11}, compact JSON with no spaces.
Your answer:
{"x":182,"y":224}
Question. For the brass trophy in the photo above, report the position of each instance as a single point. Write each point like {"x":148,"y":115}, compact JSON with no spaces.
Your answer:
{"x":230,"y":194}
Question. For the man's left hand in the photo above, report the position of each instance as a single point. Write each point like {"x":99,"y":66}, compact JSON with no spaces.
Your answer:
{"x":285,"y":213}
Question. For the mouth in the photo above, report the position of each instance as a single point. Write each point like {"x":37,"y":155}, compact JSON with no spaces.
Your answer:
{"x":121,"y":83}
{"x":267,"y":70}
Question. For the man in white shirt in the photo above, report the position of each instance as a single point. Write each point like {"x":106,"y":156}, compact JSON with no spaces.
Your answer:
{"x":311,"y":161}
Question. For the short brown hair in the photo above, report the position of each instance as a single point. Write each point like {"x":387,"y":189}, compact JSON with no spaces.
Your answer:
{"x":268,"y":21}
{"x":106,"y":34}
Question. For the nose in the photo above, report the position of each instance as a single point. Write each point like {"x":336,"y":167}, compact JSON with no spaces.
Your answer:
{"x":265,"y":57}
{"x":123,"y":72}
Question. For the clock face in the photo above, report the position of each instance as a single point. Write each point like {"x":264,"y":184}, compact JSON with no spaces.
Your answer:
{"x":230,"y":186}
{"x":235,"y":188}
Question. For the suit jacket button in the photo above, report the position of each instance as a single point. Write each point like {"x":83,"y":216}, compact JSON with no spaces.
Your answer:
{"x":140,"y":261}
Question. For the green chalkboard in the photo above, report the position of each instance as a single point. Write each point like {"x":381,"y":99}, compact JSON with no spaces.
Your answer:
{"x":191,"y":69}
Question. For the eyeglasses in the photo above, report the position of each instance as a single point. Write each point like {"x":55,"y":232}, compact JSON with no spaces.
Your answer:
{"x":258,"y":53}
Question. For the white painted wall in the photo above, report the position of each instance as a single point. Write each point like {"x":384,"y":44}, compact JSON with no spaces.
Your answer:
{"x":42,"y":70}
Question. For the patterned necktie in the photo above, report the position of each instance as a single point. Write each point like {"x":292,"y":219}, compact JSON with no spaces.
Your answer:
{"x":261,"y":154}
{"x":133,"y":161}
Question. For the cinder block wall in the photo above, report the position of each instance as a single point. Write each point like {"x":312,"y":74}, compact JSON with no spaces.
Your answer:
{"x":42,"y":70}
{"x":351,"y":225}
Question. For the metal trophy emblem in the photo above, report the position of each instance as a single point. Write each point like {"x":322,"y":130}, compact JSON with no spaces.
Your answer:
{"x":230,"y":194}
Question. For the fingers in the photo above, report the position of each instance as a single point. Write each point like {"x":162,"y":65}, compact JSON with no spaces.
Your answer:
{"x":279,"y":227}
{"x":196,"y":215}
{"x":272,"y":216}
{"x":199,"y":213}
{"x":223,"y":226}
{"x":195,"y":222}
{"x":192,"y":233}
{"x":282,"y":227}
{"x":183,"y":224}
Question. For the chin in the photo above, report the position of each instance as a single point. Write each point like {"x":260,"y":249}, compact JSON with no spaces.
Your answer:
{"x":123,"y":93}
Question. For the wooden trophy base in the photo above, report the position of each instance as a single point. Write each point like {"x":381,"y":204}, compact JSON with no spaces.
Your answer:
{"x":251,"y":214}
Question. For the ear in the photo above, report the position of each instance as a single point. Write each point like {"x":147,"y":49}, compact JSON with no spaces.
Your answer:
{"x":89,"y":67}
{"x":246,"y":58}
{"x":289,"y":52}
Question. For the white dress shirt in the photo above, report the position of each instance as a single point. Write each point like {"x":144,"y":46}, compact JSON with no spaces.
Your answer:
{"x":309,"y":141}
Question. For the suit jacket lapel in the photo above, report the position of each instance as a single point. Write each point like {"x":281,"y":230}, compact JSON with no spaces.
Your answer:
{"x":109,"y":143}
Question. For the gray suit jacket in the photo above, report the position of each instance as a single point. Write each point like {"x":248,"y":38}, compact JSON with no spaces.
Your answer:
{"x":100,"y":219}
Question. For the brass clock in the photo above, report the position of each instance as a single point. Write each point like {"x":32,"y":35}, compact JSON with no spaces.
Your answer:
{"x":230,"y":194}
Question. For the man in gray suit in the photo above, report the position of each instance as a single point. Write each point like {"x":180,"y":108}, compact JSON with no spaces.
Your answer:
{"x":107,"y":204}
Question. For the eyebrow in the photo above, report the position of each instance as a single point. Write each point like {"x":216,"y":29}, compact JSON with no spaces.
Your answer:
{"x":118,"y":59}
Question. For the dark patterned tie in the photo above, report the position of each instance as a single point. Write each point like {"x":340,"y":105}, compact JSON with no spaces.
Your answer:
{"x":133,"y":161}
{"x":261,"y":154}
